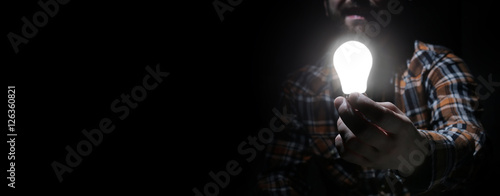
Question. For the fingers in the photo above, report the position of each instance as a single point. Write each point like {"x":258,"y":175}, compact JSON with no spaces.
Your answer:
{"x":384,"y":115}
{"x":364,"y":130}
{"x":353,"y":149}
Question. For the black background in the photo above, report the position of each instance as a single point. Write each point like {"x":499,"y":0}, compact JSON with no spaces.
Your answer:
{"x":224,"y":81}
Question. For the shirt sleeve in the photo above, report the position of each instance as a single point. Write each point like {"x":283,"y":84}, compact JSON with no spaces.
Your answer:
{"x":455,"y":134}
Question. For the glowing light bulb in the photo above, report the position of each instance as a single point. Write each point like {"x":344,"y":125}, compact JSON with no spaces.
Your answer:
{"x":353,"y":62}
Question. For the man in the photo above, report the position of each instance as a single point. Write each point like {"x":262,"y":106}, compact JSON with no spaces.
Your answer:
{"x":416,"y":129}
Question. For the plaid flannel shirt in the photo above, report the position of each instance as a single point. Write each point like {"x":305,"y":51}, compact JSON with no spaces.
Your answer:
{"x":436,"y":91}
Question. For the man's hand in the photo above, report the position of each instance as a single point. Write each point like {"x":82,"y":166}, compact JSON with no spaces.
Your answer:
{"x":374,"y":134}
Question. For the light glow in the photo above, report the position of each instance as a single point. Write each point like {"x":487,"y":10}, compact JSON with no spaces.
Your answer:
{"x":353,"y":62}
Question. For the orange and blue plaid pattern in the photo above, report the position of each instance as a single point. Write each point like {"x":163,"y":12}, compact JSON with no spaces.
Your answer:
{"x":436,"y":91}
